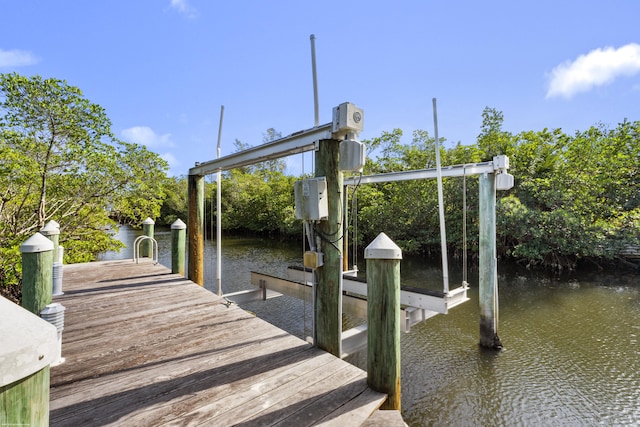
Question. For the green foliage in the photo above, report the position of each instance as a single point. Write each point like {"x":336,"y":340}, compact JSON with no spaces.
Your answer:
{"x":59,"y":160}
{"x":175,"y":203}
{"x":260,"y":202}
{"x":577,"y":197}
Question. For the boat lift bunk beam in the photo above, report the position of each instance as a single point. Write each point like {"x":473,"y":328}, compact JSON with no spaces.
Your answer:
{"x":297,"y":142}
{"x":499,"y":165}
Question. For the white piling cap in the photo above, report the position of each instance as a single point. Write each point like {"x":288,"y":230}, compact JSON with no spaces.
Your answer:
{"x":382,"y":247}
{"x":148,"y":221}
{"x":178,"y":224}
{"x":36,"y":243}
{"x":28,"y":342}
{"x":50,"y":228}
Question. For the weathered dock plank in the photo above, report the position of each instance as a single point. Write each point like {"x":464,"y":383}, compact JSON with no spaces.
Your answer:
{"x":147,"y":347}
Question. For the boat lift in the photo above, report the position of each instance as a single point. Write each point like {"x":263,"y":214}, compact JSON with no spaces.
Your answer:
{"x":418,"y":304}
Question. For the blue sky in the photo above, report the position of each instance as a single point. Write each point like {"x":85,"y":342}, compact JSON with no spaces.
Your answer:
{"x":163,"y":68}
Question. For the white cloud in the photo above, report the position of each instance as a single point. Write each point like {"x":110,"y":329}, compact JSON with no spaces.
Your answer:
{"x":173,"y":163}
{"x":16,"y":58}
{"x":184,"y":8}
{"x":146,"y":136}
{"x":596,"y":68}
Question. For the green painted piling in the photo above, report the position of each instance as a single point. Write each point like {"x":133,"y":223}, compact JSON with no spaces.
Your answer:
{"x":51,"y":231}
{"x":178,"y":241}
{"x":28,"y":345}
{"x":328,"y":313}
{"x":26,"y":402}
{"x":37,"y":273}
{"x":146,"y":246}
{"x":383,"y":313}
{"x":488,"y":269}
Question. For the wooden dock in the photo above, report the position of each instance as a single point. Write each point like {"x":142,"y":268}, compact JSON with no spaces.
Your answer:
{"x":146,"y":347}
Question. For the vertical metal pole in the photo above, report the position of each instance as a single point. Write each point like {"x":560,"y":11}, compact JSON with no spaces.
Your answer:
{"x":443,"y":231}
{"x":219,"y":214}
{"x":345,"y":230}
{"x":316,"y":113}
{"x":195,"y":229}
{"x":488,"y":271}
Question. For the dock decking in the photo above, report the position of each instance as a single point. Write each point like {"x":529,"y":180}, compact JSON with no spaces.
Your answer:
{"x":144,"y":346}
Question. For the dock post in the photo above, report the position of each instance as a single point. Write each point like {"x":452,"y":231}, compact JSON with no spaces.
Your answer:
{"x":147,"y":230}
{"x":51,"y":231}
{"x":488,"y":268}
{"x":28,"y":348}
{"x":383,"y":313}
{"x":37,"y":273}
{"x":328,"y":313}
{"x":178,"y":240}
{"x":195,"y":266}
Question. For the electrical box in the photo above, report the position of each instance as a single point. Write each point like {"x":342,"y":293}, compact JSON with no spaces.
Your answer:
{"x":352,"y":155}
{"x":313,"y":259}
{"x":347,"y":119}
{"x":501,"y":162}
{"x":504,"y":181}
{"x":311,"y":199}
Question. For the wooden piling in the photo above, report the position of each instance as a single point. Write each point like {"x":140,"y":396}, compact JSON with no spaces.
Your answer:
{"x":328,"y":313}
{"x":383,"y":313}
{"x":195,"y":266}
{"x":37,"y":273}
{"x":178,"y":240}
{"x":146,"y":249}
{"x":51,"y":231}
{"x":29,"y":346}
{"x":488,"y":270}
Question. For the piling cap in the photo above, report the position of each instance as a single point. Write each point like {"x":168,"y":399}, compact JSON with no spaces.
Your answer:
{"x":148,"y":221}
{"x":50,"y":228}
{"x":178,"y":224}
{"x":28,"y":342}
{"x":382,"y":247}
{"x":52,"y":308}
{"x":36,"y":243}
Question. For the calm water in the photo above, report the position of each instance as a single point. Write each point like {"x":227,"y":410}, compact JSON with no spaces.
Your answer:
{"x":572,"y":354}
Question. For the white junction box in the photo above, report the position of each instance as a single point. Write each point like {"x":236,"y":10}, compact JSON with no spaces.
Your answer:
{"x":353,"y":155}
{"x":311,"y":199}
{"x":347,"y":119}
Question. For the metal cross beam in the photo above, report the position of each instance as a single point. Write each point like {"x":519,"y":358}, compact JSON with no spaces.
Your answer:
{"x":498,"y":164}
{"x":297,"y":142}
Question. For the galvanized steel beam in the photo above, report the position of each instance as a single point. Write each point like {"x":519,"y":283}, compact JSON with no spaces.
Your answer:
{"x":297,"y":142}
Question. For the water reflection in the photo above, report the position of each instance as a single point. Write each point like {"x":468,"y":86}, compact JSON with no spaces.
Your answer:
{"x":571,"y":344}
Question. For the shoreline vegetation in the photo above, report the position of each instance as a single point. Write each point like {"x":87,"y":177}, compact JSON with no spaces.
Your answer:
{"x":576,"y":199}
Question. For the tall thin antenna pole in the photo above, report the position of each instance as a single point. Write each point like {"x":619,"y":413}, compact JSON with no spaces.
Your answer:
{"x":219,"y":214}
{"x":316,"y":113}
{"x":443,"y":232}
